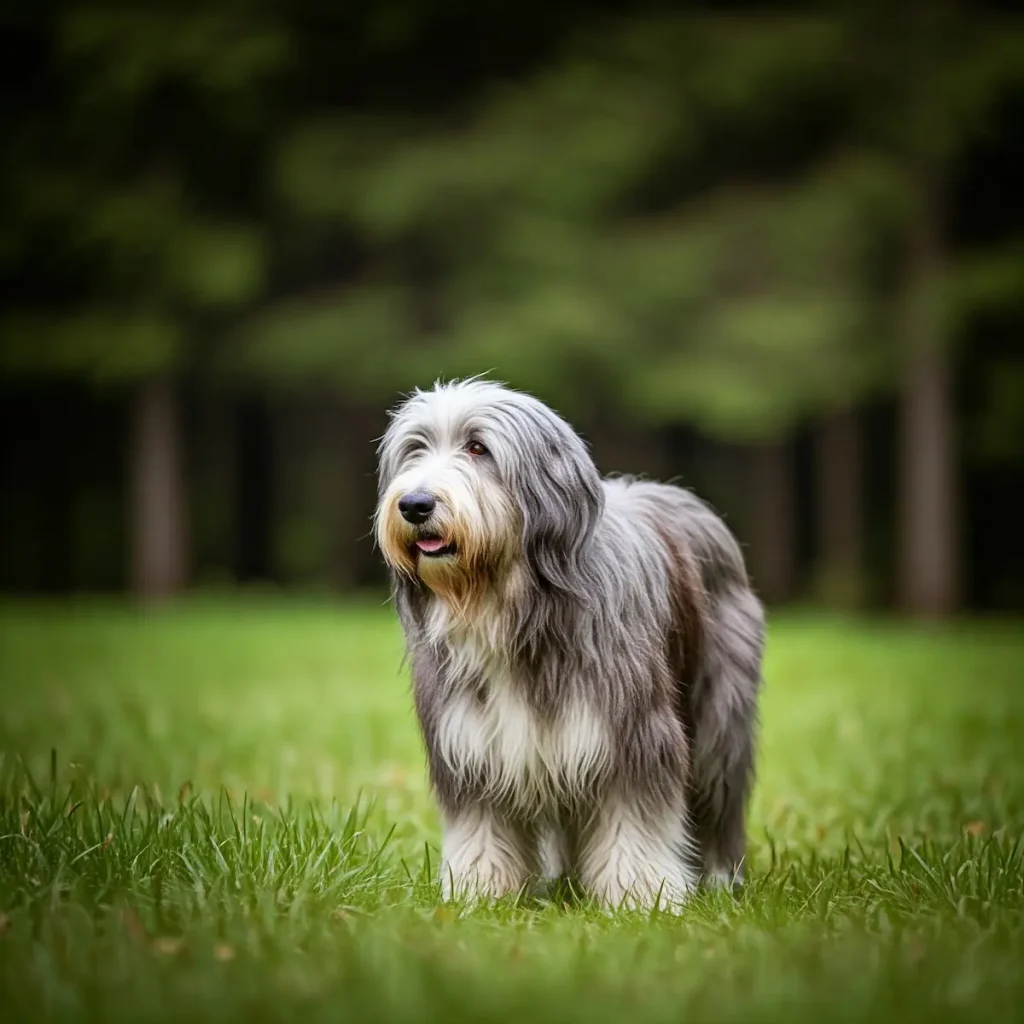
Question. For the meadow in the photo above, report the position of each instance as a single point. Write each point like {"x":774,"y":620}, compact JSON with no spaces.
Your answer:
{"x":218,"y":811}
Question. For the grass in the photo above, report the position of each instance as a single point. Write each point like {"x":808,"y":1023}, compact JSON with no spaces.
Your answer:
{"x":218,"y":812}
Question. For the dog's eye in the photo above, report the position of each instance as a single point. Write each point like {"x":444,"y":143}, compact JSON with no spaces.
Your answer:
{"x":476,"y":448}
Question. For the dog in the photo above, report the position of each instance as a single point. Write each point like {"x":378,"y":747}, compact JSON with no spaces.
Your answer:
{"x":586,"y":655}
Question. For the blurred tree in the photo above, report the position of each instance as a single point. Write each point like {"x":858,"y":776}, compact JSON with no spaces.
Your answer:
{"x":568,"y":233}
{"x":929,"y":77}
{"x":661,"y":219}
{"x":839,"y":501}
{"x":125,"y":229}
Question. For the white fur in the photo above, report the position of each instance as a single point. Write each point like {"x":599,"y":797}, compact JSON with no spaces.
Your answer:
{"x":482,"y":855}
{"x":629,"y":859}
{"x":725,"y":878}
{"x":554,"y":856}
{"x":532,"y":763}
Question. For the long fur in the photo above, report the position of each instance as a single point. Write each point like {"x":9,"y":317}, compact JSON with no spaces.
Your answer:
{"x":585,"y":666}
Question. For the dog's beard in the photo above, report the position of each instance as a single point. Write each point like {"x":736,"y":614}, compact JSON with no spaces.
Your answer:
{"x":459,"y":558}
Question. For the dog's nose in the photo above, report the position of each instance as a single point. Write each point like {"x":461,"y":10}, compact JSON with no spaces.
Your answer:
{"x":416,"y":507}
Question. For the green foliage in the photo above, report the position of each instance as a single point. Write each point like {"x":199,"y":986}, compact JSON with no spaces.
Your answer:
{"x":987,"y":282}
{"x":236,"y":822}
{"x":110,"y":224}
{"x":740,"y":308}
{"x":998,"y":432}
{"x":121,"y":54}
{"x":102,"y":345}
{"x":935,"y":79}
{"x":694,"y":216}
{"x":348,"y":339}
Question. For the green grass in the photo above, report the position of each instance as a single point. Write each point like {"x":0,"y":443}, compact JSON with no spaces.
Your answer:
{"x":235,"y":826}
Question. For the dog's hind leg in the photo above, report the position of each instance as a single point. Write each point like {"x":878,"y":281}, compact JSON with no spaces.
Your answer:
{"x":724,"y":728}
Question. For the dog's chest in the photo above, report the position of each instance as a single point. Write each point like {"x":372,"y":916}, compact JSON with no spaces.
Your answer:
{"x":491,"y":733}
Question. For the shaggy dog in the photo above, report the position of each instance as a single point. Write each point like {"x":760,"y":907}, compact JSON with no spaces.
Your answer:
{"x":586,"y":654}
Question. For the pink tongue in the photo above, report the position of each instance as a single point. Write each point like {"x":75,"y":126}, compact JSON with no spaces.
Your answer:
{"x":434,"y":544}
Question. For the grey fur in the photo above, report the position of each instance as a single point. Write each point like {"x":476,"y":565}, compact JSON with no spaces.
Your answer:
{"x":626,"y":599}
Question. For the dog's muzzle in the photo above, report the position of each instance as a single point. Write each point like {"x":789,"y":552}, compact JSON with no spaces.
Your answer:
{"x":417,"y":508}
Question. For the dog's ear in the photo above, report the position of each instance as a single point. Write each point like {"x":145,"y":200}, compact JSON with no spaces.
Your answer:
{"x":561,"y":499}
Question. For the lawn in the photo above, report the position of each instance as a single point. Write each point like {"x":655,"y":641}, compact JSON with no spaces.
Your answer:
{"x":218,"y":812}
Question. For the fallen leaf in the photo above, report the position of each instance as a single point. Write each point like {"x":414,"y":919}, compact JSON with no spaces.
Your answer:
{"x":5,"y":922}
{"x":223,"y":952}
{"x":975,"y":828}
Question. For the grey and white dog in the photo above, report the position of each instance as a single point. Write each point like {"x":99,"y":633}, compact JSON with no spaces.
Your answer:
{"x":586,"y":654}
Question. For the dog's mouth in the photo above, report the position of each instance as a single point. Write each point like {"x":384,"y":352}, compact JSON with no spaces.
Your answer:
{"x":433,"y":547}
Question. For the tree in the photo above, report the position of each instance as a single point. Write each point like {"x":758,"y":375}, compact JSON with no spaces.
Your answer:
{"x":726,"y":221}
{"x":588,"y":275}
{"x":840,"y":501}
{"x":939,"y":71}
{"x":125,"y":246}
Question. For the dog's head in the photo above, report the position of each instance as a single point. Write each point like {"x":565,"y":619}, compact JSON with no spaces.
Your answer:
{"x":475,"y":479}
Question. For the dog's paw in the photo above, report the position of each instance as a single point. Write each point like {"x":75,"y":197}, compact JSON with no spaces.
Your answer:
{"x":645,"y":894}
{"x":480,"y":886}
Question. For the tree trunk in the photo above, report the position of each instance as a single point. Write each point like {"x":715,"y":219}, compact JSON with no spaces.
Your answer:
{"x":158,"y":544}
{"x":255,"y":493}
{"x":772,"y":523}
{"x":928,"y":571}
{"x":839,"y":479}
{"x":340,"y":486}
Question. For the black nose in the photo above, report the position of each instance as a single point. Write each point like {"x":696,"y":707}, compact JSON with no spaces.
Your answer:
{"x":416,"y":507}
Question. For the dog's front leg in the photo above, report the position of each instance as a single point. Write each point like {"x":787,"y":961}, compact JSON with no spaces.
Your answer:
{"x":637,"y":855}
{"x":484,"y":854}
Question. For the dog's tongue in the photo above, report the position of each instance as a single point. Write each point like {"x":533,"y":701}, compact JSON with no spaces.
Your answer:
{"x":430,"y":544}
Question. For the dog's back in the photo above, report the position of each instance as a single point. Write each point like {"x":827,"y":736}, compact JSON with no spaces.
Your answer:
{"x":681,"y":518}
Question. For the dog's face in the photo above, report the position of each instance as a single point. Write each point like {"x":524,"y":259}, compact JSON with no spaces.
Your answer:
{"x":475,"y":479}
